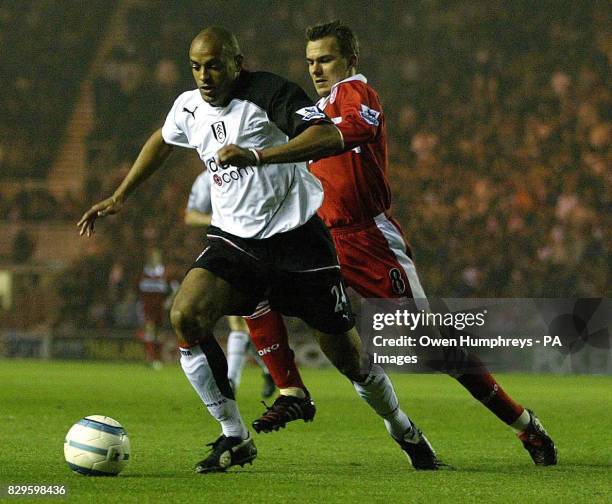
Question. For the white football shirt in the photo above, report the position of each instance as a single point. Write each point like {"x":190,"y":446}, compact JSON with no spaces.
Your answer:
{"x":264,"y":110}
{"x":199,"y":196}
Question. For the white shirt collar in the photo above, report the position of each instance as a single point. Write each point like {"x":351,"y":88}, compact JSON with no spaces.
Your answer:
{"x":359,"y":77}
{"x":322,"y":103}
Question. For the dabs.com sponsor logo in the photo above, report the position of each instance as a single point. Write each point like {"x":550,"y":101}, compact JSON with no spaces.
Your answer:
{"x":225,"y":174}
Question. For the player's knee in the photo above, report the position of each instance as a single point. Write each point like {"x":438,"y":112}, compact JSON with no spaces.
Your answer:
{"x":185,"y":323}
{"x":178,"y":318}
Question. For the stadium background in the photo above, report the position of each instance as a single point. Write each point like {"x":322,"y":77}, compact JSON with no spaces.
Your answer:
{"x":499,"y":138}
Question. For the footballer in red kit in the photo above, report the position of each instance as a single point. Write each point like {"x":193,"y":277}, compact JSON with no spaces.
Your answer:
{"x":357,"y":188}
{"x":373,"y":256}
{"x":154,"y":289}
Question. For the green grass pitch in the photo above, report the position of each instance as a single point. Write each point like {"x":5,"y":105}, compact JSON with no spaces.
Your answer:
{"x":345,"y":455}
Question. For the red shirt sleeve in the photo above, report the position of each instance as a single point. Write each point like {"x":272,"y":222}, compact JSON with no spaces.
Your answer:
{"x":361,"y":114}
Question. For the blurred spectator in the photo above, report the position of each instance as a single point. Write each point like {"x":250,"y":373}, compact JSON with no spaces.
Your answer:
{"x":23,"y":247}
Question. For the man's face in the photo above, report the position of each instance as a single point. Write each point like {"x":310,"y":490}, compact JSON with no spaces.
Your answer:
{"x":213,"y":70}
{"x":326,"y":64}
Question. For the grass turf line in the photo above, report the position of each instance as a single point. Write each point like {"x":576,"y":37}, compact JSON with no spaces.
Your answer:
{"x":344,"y":456}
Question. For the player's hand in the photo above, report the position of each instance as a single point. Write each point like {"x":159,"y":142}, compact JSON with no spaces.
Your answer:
{"x":108,"y":206}
{"x":236,"y":156}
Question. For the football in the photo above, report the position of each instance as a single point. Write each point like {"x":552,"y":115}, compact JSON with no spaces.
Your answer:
{"x":97,"y":445}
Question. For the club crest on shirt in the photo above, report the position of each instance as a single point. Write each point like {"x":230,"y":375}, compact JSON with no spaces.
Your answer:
{"x":369,"y":115}
{"x":219,"y":131}
{"x":310,"y":113}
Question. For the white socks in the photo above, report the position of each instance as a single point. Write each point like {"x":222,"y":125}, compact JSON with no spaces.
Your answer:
{"x":237,"y":344}
{"x":293,"y":391}
{"x":377,"y":390}
{"x":257,"y":357}
{"x":522,"y":422}
{"x":200,"y":375}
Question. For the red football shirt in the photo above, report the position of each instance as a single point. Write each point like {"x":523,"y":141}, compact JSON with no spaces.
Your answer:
{"x":153,"y":287}
{"x":355,"y":182}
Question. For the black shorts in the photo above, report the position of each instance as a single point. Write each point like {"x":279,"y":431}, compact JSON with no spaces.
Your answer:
{"x":296,"y":271}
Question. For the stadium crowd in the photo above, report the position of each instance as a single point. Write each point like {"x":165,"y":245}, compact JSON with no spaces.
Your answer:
{"x":45,"y":56}
{"x":499,"y":127}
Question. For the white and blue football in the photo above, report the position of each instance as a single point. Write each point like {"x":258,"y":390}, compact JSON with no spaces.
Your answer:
{"x":97,"y":445}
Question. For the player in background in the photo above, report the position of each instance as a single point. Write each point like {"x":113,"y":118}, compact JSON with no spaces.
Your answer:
{"x":373,"y":255}
{"x":265,"y":239}
{"x":155,"y":292}
{"x":199,"y":214}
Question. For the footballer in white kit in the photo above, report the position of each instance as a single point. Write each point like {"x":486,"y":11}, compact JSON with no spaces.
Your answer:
{"x":264,"y":229}
{"x":265,"y":110}
{"x":255,"y":132}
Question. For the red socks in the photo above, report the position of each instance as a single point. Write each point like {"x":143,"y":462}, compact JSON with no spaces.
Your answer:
{"x":483,"y":387}
{"x":269,"y":335}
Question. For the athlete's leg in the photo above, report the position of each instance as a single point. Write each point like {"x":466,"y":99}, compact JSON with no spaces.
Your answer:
{"x":371,"y":383}
{"x":150,"y":339}
{"x":237,"y":344}
{"x":269,"y":335}
{"x":375,"y":388}
{"x":268,"y":387}
{"x":202,"y":299}
{"x":380,"y":253}
{"x":377,"y":263}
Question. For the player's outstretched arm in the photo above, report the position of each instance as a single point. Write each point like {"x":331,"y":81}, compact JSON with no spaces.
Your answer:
{"x":152,"y":155}
{"x":316,"y":142}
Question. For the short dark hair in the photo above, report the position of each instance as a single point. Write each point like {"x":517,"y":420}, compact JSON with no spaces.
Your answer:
{"x":347,"y":41}
{"x":225,"y":37}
